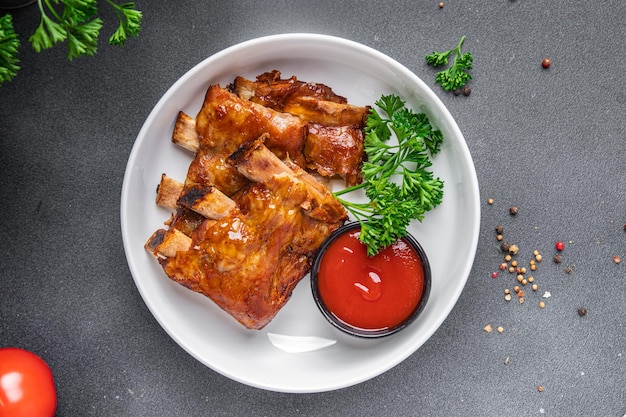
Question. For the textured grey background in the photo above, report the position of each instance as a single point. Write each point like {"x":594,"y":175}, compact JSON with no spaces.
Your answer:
{"x":549,"y":141}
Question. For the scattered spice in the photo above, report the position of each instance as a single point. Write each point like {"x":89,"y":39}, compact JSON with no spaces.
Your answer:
{"x":494,"y":274}
{"x":504,"y":246}
{"x":538,"y":257}
{"x":503,"y":266}
{"x":500,"y":329}
{"x":542,"y":304}
{"x":540,"y":388}
{"x":616,"y":259}
{"x":490,"y":202}
{"x":506,"y":360}
{"x":547,"y":294}
{"x":557,"y":259}
{"x":568,"y":270}
{"x":513,"y":210}
{"x":488,"y":328}
{"x":625,"y":227}
{"x":499,"y":229}
{"x":559,"y":246}
{"x":441,"y":5}
{"x":546,"y":62}
{"x":535,"y":287}
{"x":513,"y":249}
{"x":582,"y":311}
{"x":467,"y":90}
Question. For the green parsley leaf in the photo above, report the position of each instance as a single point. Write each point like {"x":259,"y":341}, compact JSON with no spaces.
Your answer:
{"x":456,"y":75}
{"x":129,"y":23}
{"x":9,"y":45}
{"x":395,"y":176}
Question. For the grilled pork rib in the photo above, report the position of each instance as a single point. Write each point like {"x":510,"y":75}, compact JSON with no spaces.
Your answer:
{"x":248,"y":218}
{"x":250,"y":259}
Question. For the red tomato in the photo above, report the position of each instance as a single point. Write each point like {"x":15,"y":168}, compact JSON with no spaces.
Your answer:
{"x":26,"y":385}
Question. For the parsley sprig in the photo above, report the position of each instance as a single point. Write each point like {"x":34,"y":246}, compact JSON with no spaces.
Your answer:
{"x":456,"y":75}
{"x":395,"y":176}
{"x":72,"y":21}
{"x":9,"y":44}
{"x":77,"y":23}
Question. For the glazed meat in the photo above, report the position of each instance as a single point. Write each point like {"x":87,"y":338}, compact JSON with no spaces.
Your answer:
{"x":249,"y":257}
{"x":249,"y":217}
{"x":332,"y":123}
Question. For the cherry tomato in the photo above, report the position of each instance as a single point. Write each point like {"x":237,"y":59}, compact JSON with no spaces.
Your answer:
{"x":26,"y":385}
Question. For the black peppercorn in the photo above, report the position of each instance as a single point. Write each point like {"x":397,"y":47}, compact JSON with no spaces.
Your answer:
{"x":499,"y":229}
{"x":467,"y":90}
{"x":557,"y":258}
{"x":456,"y":92}
{"x":582,"y":311}
{"x":513,"y":210}
{"x":504,"y":246}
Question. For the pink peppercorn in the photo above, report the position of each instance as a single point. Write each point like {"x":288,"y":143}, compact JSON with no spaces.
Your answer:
{"x":559,"y":246}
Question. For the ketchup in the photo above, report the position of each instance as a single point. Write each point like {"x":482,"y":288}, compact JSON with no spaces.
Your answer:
{"x":370,"y":293}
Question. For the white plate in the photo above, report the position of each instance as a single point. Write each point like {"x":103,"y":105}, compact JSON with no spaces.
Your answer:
{"x":298,"y":351}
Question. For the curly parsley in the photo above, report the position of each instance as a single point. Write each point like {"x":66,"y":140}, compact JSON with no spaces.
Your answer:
{"x":456,"y":75}
{"x":395,"y":177}
{"x":9,"y":44}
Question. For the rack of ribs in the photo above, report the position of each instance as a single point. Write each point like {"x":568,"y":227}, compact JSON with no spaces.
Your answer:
{"x":250,"y":214}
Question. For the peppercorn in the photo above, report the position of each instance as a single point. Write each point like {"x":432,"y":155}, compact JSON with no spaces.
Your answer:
{"x":557,"y":258}
{"x":504,"y":246}
{"x":513,"y":249}
{"x":513,"y":210}
{"x":582,"y":311}
{"x":441,"y":5}
{"x":617,"y":259}
{"x":490,"y":202}
{"x":546,"y":62}
{"x":503,"y":266}
{"x":499,"y":238}
{"x":559,"y":246}
{"x":499,"y":229}
{"x":467,"y":90}
{"x":625,"y":227}
{"x":494,"y":274}
{"x":456,"y":92}
{"x":568,"y":270}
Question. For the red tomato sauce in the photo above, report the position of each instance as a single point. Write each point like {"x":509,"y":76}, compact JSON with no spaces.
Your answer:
{"x":371,"y":293}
